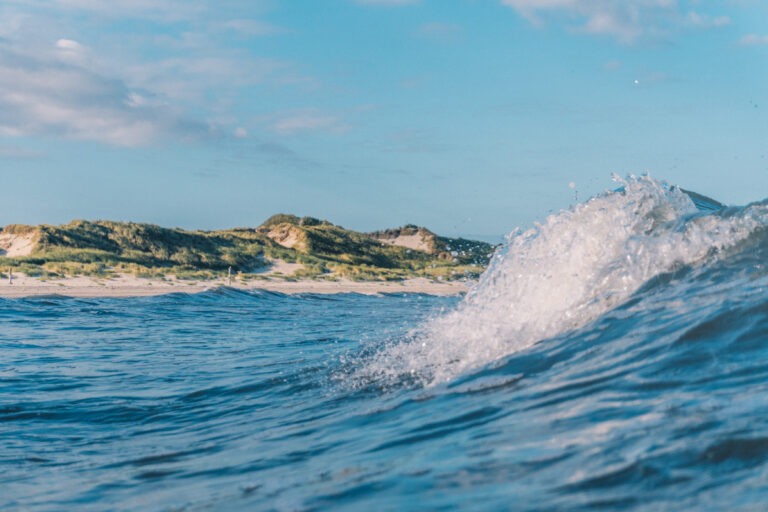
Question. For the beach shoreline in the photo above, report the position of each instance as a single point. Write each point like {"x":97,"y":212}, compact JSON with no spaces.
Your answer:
{"x":130,"y":286}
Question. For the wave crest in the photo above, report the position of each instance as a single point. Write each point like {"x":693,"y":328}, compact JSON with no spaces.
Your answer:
{"x":565,"y":272}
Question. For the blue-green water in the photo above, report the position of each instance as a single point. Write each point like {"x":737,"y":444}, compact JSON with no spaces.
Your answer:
{"x":621,"y":382}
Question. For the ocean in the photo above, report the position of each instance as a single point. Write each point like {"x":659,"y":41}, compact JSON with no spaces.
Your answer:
{"x":612,"y":357}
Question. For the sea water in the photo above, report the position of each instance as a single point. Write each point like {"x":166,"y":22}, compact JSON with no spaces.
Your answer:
{"x":612,"y":357}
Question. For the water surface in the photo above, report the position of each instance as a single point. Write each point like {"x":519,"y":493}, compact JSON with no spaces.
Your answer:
{"x":614,"y":357}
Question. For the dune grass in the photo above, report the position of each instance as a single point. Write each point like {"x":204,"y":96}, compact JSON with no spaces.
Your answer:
{"x":105,"y":249}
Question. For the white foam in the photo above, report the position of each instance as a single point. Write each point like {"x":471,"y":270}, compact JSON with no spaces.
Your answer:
{"x":563,"y":273}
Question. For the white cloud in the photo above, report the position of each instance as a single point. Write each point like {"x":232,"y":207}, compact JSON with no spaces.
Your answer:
{"x":72,"y":51}
{"x":43,"y":94}
{"x":240,"y":132}
{"x":250,"y":27}
{"x":62,"y":75}
{"x":69,"y":45}
{"x":753,"y":40}
{"x":702,"y":20}
{"x":160,"y":10}
{"x":309,"y":120}
{"x":193,"y":79}
{"x":625,"y":20}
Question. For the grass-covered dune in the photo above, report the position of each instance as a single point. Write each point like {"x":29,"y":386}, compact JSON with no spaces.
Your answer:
{"x":324,"y":250}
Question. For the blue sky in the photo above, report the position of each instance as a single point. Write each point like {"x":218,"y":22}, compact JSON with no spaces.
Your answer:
{"x":467,"y":116}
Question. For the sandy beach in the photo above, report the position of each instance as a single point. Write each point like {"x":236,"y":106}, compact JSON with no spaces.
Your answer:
{"x":130,"y":286}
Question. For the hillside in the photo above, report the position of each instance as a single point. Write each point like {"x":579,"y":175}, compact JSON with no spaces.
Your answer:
{"x":419,"y":238}
{"x":284,"y":246}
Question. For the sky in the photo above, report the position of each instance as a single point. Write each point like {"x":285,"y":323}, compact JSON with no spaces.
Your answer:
{"x":470,"y":117}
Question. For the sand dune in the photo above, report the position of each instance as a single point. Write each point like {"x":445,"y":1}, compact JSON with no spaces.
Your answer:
{"x":14,"y":246}
{"x":416,"y":242}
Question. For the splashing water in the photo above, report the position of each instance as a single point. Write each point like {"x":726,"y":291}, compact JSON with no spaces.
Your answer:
{"x":612,"y":357}
{"x":563,"y":273}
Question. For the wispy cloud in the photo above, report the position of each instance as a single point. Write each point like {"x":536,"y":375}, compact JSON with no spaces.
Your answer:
{"x":696,"y":19}
{"x":14,"y":151}
{"x":160,"y":10}
{"x":626,"y":20}
{"x":753,"y":40}
{"x":176,"y":81}
{"x":192,"y":79}
{"x":309,"y":120}
{"x":250,"y":27}
{"x":58,"y":93}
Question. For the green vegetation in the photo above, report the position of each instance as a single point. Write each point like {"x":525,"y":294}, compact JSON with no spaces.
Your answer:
{"x":18,"y":229}
{"x":106,"y":249}
{"x":281,"y":218}
{"x":459,"y":250}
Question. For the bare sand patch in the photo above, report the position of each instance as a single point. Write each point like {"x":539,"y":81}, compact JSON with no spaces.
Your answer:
{"x":278,"y":266}
{"x":14,"y":246}
{"x":416,"y":242}
{"x":286,"y":235}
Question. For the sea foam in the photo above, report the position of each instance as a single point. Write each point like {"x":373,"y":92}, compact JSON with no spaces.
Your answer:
{"x":565,"y":272}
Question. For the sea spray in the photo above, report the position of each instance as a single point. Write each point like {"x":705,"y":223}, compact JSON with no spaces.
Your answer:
{"x":233,"y":399}
{"x":563,"y":273}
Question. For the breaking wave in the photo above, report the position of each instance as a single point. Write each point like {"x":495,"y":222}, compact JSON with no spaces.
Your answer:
{"x":567,"y":271}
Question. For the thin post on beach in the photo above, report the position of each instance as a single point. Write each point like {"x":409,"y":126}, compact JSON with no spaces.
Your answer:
{"x":229,"y":275}
{"x":10,"y":275}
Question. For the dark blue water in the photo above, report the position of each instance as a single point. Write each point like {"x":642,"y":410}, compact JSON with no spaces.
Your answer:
{"x":259,"y":401}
